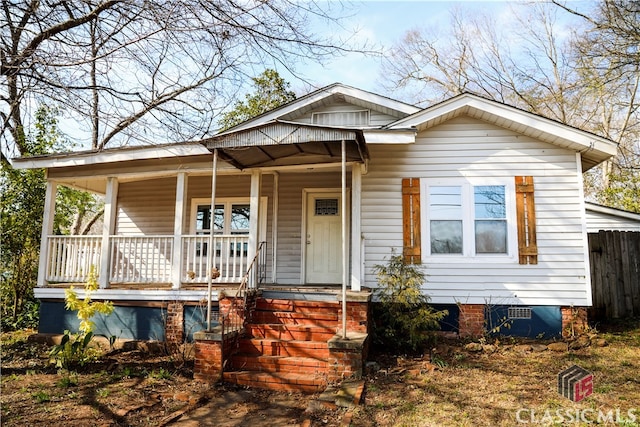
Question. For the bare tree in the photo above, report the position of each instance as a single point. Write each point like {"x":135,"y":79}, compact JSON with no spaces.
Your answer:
{"x":140,"y":71}
{"x":543,"y":64}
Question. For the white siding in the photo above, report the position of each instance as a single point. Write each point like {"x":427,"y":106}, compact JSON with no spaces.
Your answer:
{"x":597,"y":221}
{"x":468,"y":148}
{"x":146,"y":207}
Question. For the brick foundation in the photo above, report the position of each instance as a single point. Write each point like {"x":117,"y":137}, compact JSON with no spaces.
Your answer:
{"x":471,"y":322}
{"x":174,"y":327}
{"x":574,"y":321}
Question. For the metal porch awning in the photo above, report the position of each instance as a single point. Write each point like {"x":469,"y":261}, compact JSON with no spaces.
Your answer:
{"x":279,"y":143}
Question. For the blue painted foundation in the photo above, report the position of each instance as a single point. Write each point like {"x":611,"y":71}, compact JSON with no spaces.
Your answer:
{"x":195,"y":320}
{"x":126,"y":322}
{"x":545,"y":322}
{"x":450,"y":322}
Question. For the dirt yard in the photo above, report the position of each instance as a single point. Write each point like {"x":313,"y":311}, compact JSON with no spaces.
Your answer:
{"x":457,"y":384}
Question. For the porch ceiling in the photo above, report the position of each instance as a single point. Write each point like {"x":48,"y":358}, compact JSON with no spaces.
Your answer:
{"x":280,"y":143}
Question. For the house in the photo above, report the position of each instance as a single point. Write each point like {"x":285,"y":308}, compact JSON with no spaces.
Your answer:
{"x":605,"y":218}
{"x":614,"y":258}
{"x":307,"y":199}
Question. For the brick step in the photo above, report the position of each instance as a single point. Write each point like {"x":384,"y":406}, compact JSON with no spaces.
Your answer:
{"x":299,"y":365}
{"x":291,"y":332}
{"x":297,"y":306}
{"x":285,"y":317}
{"x":279,"y":381}
{"x":266,"y":347}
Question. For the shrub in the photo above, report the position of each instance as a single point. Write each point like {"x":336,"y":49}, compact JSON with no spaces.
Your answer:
{"x":405,"y":318}
{"x":75,"y":348}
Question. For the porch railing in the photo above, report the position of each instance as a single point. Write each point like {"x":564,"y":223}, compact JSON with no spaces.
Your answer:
{"x":149,"y":259}
{"x":141,"y":259}
{"x":71,"y":257}
{"x":230,"y":258}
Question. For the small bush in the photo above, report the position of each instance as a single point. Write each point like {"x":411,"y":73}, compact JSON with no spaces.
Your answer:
{"x":405,"y":318}
{"x":75,"y":349}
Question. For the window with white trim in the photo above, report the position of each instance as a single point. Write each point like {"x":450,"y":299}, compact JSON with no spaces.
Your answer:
{"x":231,"y":217}
{"x":461,"y":218}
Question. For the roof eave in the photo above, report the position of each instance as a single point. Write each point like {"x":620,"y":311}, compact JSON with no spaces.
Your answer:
{"x":594,"y":149}
{"x":95,"y":157}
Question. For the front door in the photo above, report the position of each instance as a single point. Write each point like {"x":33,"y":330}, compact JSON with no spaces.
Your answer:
{"x":324,"y":238}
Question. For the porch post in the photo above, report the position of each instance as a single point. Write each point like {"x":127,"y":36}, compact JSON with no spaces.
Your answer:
{"x":178,"y":226}
{"x":210,"y":249}
{"x":108,"y":228}
{"x":356,"y":233}
{"x":274,"y":227}
{"x":47,"y":229}
{"x":343,"y":208}
{"x":254,"y":209}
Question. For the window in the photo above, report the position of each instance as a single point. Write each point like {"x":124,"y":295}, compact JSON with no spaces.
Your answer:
{"x":230,"y":218}
{"x":490,"y":219}
{"x":445,"y":208}
{"x":326,"y":207}
{"x":238,"y":215}
{"x":464,"y":219}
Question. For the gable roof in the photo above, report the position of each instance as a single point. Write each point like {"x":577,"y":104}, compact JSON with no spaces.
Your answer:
{"x":260,"y":131}
{"x":326,"y":96}
{"x":594,"y":149}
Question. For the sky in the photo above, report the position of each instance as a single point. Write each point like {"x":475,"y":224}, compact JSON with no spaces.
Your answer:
{"x":379,"y":24}
{"x":383,"y":23}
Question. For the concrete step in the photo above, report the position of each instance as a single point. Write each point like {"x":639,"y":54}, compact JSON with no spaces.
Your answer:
{"x":293,"y":348}
{"x":280,"y":381}
{"x":291,"y":332}
{"x":297,"y":365}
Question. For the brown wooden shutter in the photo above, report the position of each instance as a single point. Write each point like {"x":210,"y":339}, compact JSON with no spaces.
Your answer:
{"x":526,"y":216}
{"x":411,"y":250}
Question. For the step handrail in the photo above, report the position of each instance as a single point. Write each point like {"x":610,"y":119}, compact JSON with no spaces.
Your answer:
{"x":236,"y":316}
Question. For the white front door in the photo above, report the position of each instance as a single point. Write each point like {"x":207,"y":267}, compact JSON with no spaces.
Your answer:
{"x":324,"y":238}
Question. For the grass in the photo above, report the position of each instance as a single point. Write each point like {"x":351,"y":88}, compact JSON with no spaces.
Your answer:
{"x":480,"y":389}
{"x":448,"y":387}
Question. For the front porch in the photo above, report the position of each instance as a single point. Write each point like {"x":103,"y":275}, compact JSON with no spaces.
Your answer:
{"x":279,"y":204}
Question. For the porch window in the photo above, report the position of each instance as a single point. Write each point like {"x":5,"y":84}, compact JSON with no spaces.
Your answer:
{"x":230,"y":218}
{"x":465,"y":219}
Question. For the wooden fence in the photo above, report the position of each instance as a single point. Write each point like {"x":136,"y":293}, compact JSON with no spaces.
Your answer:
{"x":615,"y":273}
